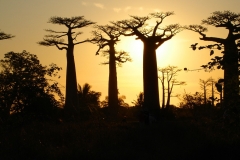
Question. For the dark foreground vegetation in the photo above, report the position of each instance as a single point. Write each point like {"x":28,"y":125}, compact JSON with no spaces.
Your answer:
{"x":181,"y":134}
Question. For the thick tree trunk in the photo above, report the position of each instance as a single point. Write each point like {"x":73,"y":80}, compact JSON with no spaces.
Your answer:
{"x":231,"y":77}
{"x":71,"y":98}
{"x":150,"y":78}
{"x":112,"y":81}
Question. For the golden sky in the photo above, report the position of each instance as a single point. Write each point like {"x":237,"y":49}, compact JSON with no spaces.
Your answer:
{"x":27,"y":19}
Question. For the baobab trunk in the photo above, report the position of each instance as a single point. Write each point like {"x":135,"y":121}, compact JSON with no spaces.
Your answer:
{"x":112,"y":81}
{"x":231,"y":76}
{"x":150,"y":78}
{"x":71,"y":100}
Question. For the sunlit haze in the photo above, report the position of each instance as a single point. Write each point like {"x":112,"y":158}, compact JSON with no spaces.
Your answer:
{"x":27,"y":19}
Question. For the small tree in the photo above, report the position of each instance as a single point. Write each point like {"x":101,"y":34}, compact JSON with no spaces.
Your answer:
{"x":108,"y":36}
{"x":168,"y":75}
{"x":87,"y":97}
{"x":25,"y":86}
{"x":5,"y":36}
{"x":140,"y":100}
{"x":204,"y":84}
{"x":152,"y":38}
{"x":191,"y":101}
{"x":55,"y":38}
{"x":121,"y":102}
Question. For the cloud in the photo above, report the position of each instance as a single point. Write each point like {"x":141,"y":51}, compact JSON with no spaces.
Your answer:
{"x":127,"y":8}
{"x":99,"y":5}
{"x":117,"y":9}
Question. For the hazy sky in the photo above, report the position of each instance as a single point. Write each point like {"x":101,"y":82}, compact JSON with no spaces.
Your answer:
{"x":27,"y":19}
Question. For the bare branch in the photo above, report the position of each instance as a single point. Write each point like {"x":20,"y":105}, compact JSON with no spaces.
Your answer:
{"x":52,"y":31}
{"x":161,"y":16}
{"x":122,"y":57}
{"x":53,"y":42}
{"x":111,"y":32}
{"x":87,"y":40}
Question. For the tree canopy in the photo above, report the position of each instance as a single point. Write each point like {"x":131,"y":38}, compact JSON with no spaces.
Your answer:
{"x":24,"y":82}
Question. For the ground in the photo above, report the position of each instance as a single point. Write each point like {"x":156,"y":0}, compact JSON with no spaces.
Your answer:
{"x":101,"y":138}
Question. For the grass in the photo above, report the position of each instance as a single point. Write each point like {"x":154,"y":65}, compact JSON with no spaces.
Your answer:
{"x":183,"y":138}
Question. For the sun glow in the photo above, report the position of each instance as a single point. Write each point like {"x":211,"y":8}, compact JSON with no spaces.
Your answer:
{"x":133,"y":47}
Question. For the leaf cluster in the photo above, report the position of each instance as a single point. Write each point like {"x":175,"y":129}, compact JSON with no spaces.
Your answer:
{"x":217,"y":61}
{"x":5,"y":36}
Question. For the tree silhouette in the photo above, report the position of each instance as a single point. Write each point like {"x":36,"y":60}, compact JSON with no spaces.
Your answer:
{"x":191,"y":101}
{"x":203,"y":85}
{"x":139,"y":101}
{"x":152,"y":38}
{"x":121,"y":102}
{"x":230,"y":59}
{"x":55,"y":38}
{"x":108,"y":36}
{"x":87,"y":97}
{"x":5,"y":36}
{"x":25,"y":85}
{"x":168,"y":75}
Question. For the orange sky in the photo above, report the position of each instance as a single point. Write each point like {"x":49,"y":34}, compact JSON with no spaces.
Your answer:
{"x":27,"y":19}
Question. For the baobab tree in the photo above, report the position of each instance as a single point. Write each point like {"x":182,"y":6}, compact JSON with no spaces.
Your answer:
{"x":168,"y":75}
{"x":229,"y":62}
{"x":55,"y":38}
{"x":204,"y":84}
{"x":5,"y":36}
{"x":108,"y":36}
{"x":152,"y":38}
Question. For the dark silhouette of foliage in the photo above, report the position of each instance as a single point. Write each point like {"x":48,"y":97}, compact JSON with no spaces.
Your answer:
{"x":5,"y":36}
{"x":229,"y":62}
{"x":108,"y":36}
{"x":168,"y":75}
{"x":152,"y":38}
{"x":88,"y":98}
{"x":121,"y":102}
{"x":25,"y":87}
{"x":139,"y":101}
{"x":191,"y":101}
{"x":220,"y":86}
{"x":55,"y":38}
